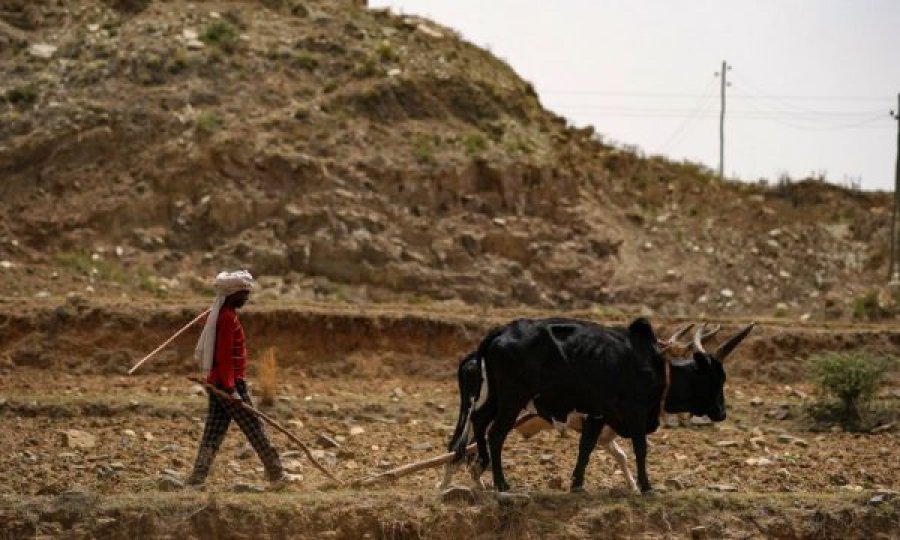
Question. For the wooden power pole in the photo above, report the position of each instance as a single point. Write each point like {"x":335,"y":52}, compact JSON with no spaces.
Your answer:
{"x":893,"y":270}
{"x":724,"y":75}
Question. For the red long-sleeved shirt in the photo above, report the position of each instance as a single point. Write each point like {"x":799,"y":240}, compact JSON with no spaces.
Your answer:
{"x":230,"y":361}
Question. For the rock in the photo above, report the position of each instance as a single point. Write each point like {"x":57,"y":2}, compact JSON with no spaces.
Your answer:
{"x":790,"y":439}
{"x":244,"y":487}
{"x":129,"y":433}
{"x":699,"y":532}
{"x":727,"y":444}
{"x":356,"y":430}
{"x":875,"y":500}
{"x":884,"y":427}
{"x":42,"y":50}
{"x":244,"y":452}
{"x":727,"y":293}
{"x":148,"y":436}
{"x":701,"y":421}
{"x":293,"y":466}
{"x":455,"y":494}
{"x":756,"y":401}
{"x":169,"y":483}
{"x":555,"y":483}
{"x":77,"y":439}
{"x":723,"y":488}
{"x":422,"y":447}
{"x":197,"y":390}
{"x":546,"y":458}
{"x":674,"y":484}
{"x":513,"y":499}
{"x":326,"y":442}
{"x":6,"y":265}
{"x":760,"y":461}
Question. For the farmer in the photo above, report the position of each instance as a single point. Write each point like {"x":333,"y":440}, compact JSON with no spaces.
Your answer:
{"x":222,"y":353}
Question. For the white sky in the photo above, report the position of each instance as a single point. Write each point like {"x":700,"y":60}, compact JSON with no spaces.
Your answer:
{"x":812,"y":83}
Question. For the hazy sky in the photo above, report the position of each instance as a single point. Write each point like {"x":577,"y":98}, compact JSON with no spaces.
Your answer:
{"x":812,"y":84}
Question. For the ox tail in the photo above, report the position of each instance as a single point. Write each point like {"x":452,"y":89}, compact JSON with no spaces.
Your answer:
{"x":468,"y":379}
{"x":474,"y":394}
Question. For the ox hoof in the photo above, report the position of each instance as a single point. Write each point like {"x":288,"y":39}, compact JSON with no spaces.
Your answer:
{"x":649,"y":493}
{"x":576,"y":489}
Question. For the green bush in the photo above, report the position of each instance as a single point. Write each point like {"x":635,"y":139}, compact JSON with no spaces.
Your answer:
{"x":21,"y":95}
{"x":423,"y":149}
{"x":866,"y":308}
{"x":221,"y":34}
{"x":208,"y":122}
{"x":475,"y":144}
{"x":852,"y":378}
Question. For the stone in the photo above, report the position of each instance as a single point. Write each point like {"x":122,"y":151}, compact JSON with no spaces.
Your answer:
{"x":723,"y":488}
{"x":875,"y":500}
{"x":674,"y":484}
{"x":882,"y":428}
{"x":77,"y":439}
{"x":699,"y":532}
{"x":244,"y":452}
{"x":513,"y":499}
{"x":244,"y":487}
{"x":756,"y":401}
{"x":326,"y":442}
{"x":169,"y":483}
{"x":701,"y":421}
{"x":356,"y":430}
{"x":727,"y":444}
{"x":455,"y":494}
{"x":293,"y":466}
{"x":727,"y":293}
{"x":6,"y":265}
{"x":42,"y":50}
{"x":546,"y":458}
{"x":760,"y":461}
{"x":422,"y":447}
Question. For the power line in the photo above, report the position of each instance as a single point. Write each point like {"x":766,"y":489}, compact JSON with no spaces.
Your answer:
{"x":686,"y":95}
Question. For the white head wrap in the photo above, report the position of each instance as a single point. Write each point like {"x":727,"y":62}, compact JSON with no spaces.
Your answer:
{"x":226,"y":283}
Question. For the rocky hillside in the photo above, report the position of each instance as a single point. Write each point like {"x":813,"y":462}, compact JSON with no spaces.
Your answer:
{"x":351,"y":154}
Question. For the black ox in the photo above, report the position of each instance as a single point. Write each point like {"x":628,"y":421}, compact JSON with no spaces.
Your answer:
{"x":616,"y":377}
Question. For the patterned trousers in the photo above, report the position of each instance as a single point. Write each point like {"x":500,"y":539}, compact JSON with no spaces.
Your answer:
{"x":221,"y":413}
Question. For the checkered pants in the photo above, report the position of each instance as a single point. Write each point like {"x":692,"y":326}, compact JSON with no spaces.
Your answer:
{"x":221,"y":413}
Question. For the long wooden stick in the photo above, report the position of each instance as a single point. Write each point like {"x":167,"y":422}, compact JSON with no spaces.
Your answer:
{"x":405,"y":470}
{"x":267,"y":419}
{"x":411,"y":468}
{"x":166,"y":342}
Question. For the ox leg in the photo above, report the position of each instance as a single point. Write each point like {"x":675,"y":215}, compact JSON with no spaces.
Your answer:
{"x":481,"y":418}
{"x":496,"y":437}
{"x":608,"y":440}
{"x":590,"y":432}
{"x":639,"y":443}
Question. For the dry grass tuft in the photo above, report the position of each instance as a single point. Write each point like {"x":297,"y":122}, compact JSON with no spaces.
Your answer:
{"x":268,"y":377}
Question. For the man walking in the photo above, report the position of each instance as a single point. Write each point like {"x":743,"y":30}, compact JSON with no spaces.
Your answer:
{"x":222,"y":353}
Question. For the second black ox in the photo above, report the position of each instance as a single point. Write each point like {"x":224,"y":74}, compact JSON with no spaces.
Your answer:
{"x":615,"y":376}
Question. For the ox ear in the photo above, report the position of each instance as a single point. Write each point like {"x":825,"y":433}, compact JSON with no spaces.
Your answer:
{"x":640,"y":333}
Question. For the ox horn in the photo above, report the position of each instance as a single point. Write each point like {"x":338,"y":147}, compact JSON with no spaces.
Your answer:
{"x":678,"y":333}
{"x":726,"y":348}
{"x":703,"y":334}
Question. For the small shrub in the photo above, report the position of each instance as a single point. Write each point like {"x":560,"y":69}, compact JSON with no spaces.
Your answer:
{"x":23,"y":96}
{"x":368,"y":68}
{"x":301,"y":113}
{"x":100,"y":269}
{"x":852,"y":378}
{"x":268,"y":377}
{"x":423,"y":149}
{"x":305,"y":60}
{"x":221,"y":34}
{"x":208,"y":122}
{"x":386,"y":52}
{"x":474,"y":144}
{"x":866,"y":308}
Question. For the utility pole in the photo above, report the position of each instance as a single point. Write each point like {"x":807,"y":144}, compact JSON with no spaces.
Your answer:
{"x":893,"y":274}
{"x":724,"y":75}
